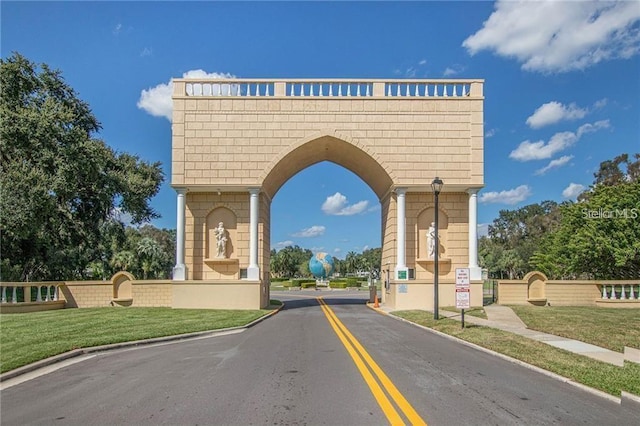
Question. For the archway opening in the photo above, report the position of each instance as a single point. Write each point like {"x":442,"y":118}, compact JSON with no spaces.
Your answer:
{"x":327,"y":208}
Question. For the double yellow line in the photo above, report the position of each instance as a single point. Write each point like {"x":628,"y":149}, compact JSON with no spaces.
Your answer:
{"x":366,"y":365}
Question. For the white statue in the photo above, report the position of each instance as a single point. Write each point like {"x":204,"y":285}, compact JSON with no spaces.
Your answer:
{"x":431,"y":241}
{"x":221,"y":240}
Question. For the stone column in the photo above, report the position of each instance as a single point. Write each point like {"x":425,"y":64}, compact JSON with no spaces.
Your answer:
{"x":253,"y":271}
{"x":402,"y":272}
{"x":180,"y":270}
{"x":474,"y":269}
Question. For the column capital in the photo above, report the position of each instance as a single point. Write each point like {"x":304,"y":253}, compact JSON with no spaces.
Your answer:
{"x":473,"y":191}
{"x":254,"y":191}
{"x":181,"y":191}
{"x":401,"y":190}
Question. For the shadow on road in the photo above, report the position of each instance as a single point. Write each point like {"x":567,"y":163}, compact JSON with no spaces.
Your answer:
{"x":311,"y":301}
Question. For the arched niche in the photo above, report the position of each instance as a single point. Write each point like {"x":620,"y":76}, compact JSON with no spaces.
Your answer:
{"x":122,"y":289}
{"x":425,"y":218}
{"x":230,"y":222}
{"x":536,"y":287}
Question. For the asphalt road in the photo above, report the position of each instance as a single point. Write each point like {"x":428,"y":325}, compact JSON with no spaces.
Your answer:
{"x":293,"y":369}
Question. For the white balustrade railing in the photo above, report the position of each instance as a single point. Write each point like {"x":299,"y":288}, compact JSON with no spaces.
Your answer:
{"x":44,"y":293}
{"x":330,"y":88}
{"x":625,"y":292}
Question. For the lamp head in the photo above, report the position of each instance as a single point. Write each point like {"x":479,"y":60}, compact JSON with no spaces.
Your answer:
{"x":436,"y":185}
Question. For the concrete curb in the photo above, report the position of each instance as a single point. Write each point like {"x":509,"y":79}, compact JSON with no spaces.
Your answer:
{"x":517,"y":361}
{"x":105,"y":348}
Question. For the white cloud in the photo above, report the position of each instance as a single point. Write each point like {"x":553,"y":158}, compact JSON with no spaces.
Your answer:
{"x":540,"y":150}
{"x":600,"y":103}
{"x":559,"y":162}
{"x":511,"y":196}
{"x":553,"y":112}
{"x":573,"y":190}
{"x":453,"y":70}
{"x":559,"y":36}
{"x":314,"y":231}
{"x":490,"y":133}
{"x":422,"y":62}
{"x":283,"y":244}
{"x":483,"y":229}
{"x":147,"y":51}
{"x":337,"y":250}
{"x":157,"y":100}
{"x":337,"y":205}
{"x":117,"y":29}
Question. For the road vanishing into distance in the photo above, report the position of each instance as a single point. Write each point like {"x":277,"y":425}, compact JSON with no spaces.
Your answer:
{"x":325,"y":360}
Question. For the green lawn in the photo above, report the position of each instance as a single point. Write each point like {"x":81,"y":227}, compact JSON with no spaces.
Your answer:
{"x":30,"y":337}
{"x":592,"y":373}
{"x":476,"y":312}
{"x":605,"y":327}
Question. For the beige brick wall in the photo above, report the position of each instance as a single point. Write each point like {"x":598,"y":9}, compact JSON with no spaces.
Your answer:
{"x":241,"y":141}
{"x":230,"y":144}
{"x":86,"y":294}
{"x":152,"y":293}
{"x":562,"y":292}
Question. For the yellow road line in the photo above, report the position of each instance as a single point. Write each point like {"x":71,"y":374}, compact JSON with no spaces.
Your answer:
{"x":395,"y":394}
{"x":387,"y":408}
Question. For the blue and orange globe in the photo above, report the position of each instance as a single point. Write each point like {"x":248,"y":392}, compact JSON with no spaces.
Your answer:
{"x":321,"y":266}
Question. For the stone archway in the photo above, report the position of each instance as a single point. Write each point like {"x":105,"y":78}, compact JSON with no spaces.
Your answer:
{"x":235,"y":148}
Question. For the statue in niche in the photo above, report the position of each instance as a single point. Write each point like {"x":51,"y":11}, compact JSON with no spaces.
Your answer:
{"x":221,"y":240}
{"x":431,"y":241}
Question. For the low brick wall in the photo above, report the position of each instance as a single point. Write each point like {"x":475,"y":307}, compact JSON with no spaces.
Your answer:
{"x":536,"y":289}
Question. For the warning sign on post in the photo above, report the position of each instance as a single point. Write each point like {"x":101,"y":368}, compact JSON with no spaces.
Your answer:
{"x":463,"y":288}
{"x":462,"y":278}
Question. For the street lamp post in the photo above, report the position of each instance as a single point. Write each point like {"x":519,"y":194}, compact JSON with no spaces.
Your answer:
{"x":436,"y":185}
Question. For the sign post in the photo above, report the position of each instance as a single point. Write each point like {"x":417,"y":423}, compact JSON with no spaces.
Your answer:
{"x":463,"y":290}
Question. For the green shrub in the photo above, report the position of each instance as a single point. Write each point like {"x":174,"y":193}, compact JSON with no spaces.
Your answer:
{"x":289,"y":283}
{"x":338,"y":284}
{"x":308,"y":285}
{"x":297,"y":282}
{"x":353,"y":282}
{"x":279,"y":280}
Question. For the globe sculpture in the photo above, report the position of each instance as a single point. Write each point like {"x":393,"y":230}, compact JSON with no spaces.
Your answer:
{"x":321,"y":266}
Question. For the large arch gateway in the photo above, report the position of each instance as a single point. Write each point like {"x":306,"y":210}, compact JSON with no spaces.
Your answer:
{"x":237,"y":141}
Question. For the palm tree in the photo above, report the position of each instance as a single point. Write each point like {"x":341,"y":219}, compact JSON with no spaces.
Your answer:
{"x":151,"y":254}
{"x":123,"y":260}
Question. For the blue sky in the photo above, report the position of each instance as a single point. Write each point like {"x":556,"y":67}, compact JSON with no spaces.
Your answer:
{"x":562,"y":85}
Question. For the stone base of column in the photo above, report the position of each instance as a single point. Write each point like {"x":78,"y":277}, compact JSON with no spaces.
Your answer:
{"x":253,"y":273}
{"x":401,"y":273}
{"x":180,"y":273}
{"x":475,"y":273}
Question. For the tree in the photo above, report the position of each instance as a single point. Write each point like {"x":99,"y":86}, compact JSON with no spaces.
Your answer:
{"x":599,"y":236}
{"x":59,"y":184}
{"x":151,"y":255}
{"x":514,"y":237}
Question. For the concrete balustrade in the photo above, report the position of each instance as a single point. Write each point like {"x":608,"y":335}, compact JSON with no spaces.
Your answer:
{"x":332,"y":88}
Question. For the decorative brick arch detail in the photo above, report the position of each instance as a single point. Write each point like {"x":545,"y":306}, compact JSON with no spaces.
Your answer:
{"x":122,"y":285}
{"x":354,"y":156}
{"x":536,"y":286}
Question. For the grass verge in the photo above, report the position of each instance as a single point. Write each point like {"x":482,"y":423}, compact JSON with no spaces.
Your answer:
{"x":599,"y":375}
{"x":30,"y":337}
{"x":476,"y":312}
{"x":605,"y":327}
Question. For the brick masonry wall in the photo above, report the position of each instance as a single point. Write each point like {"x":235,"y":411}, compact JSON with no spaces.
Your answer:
{"x":388,"y":142}
{"x":234,"y":141}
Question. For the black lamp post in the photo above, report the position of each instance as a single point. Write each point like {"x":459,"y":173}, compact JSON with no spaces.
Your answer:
{"x":436,"y":185}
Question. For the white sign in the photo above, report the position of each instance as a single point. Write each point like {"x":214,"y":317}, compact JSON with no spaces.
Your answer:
{"x":463,"y":278}
{"x":463,"y":298}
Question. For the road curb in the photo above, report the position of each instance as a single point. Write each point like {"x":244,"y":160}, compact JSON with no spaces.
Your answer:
{"x":515,"y":361}
{"x":144,"y":342}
